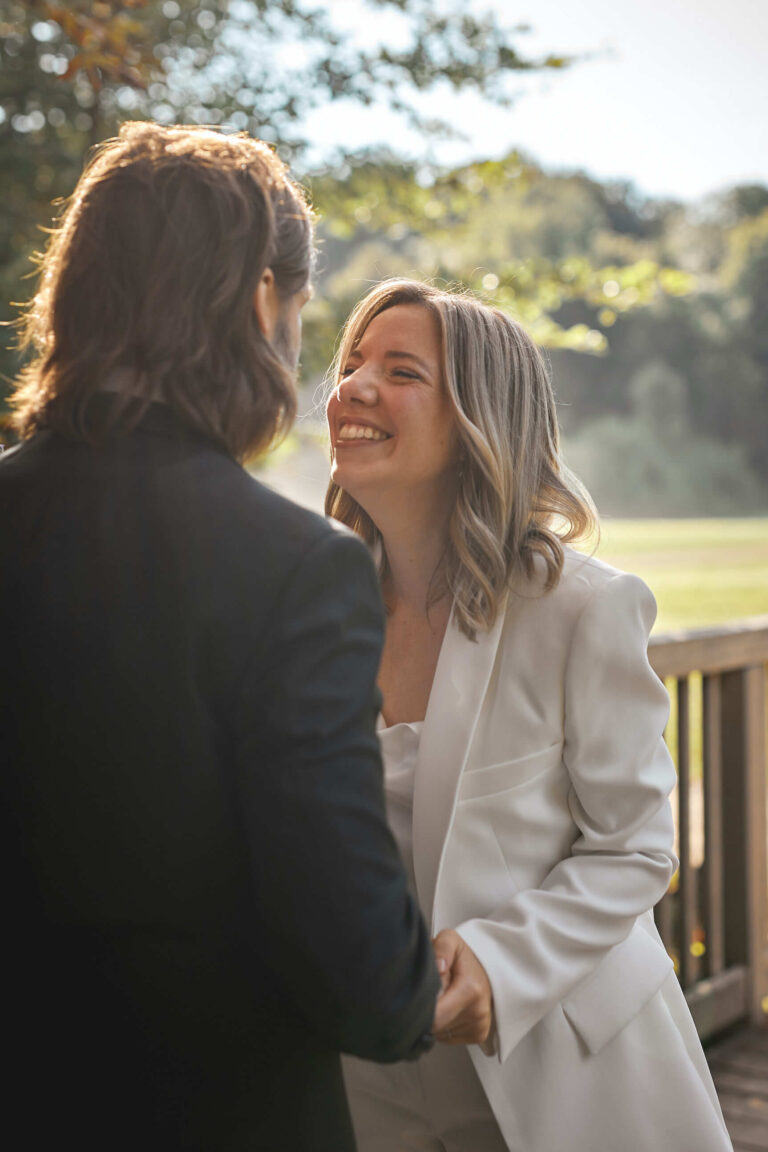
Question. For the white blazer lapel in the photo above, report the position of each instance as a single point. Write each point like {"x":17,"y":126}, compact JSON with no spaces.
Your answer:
{"x":461,"y":679}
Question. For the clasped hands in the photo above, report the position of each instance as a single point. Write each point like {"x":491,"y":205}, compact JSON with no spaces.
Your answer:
{"x":464,"y":1007}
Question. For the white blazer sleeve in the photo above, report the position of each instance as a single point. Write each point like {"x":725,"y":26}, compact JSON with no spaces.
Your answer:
{"x":545,"y":941}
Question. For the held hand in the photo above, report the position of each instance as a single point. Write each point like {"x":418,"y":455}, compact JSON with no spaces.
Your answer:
{"x":464,"y":1007}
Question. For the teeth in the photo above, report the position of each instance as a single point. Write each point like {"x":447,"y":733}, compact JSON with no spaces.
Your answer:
{"x":361,"y":432}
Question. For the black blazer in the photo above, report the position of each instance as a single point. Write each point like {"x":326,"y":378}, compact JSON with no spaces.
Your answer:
{"x":204,"y":903}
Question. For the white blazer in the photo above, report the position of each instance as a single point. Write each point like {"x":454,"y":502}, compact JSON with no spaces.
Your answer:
{"x":542,"y":833}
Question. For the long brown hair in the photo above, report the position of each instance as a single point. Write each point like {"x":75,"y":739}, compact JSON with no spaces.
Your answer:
{"x":516,"y":500}
{"x":149,"y":277}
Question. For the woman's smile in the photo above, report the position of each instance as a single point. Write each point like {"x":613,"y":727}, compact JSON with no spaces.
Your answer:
{"x":359,"y":432}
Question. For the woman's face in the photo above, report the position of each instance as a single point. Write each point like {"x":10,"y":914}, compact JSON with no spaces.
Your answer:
{"x":392,"y":426}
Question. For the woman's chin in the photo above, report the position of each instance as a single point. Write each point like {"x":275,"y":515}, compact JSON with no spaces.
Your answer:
{"x":349,"y":477}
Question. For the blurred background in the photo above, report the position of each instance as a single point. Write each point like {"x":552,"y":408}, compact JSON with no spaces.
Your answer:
{"x":599,"y":171}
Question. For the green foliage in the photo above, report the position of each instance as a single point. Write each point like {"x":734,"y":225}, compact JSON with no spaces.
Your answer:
{"x":651,"y":460}
{"x":714,"y":338}
{"x":259,"y":65}
{"x":632,"y":474}
{"x":746,"y":275}
{"x":659,"y":397}
{"x":495,"y":226}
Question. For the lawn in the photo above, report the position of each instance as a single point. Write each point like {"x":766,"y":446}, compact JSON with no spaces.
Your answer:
{"x":702,"y":572}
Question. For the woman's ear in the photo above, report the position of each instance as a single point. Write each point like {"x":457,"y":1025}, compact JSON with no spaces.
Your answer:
{"x":266,"y":303}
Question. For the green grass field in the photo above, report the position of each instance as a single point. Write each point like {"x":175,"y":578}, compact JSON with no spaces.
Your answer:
{"x":702,"y":572}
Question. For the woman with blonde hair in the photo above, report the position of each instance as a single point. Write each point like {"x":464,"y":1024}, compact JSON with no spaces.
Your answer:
{"x":526,"y":774}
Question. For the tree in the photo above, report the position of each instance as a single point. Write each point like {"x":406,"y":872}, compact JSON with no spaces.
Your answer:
{"x":651,"y":463}
{"x":259,"y":65}
{"x":263,"y":64}
{"x":517,"y":236}
{"x":69,"y":73}
{"x":659,"y":397}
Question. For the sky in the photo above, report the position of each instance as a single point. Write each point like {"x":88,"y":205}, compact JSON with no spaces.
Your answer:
{"x":674,"y":97}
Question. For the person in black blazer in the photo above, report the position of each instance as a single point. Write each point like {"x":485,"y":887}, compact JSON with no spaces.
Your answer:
{"x":204,"y":904}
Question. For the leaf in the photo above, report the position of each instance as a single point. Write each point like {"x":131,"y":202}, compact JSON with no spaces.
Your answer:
{"x":74,"y":66}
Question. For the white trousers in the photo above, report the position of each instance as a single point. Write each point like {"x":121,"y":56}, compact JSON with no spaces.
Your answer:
{"x":435,"y":1104}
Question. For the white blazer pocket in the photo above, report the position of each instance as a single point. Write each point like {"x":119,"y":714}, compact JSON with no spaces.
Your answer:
{"x":621,"y":985}
{"x":495,"y":778}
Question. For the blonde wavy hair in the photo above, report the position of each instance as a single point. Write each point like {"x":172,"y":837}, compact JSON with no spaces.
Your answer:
{"x":516,"y":500}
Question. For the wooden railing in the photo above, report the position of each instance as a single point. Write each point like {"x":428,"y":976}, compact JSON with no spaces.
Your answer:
{"x":714,"y":918}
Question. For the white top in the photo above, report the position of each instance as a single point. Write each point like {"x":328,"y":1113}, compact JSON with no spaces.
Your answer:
{"x":400,"y":752}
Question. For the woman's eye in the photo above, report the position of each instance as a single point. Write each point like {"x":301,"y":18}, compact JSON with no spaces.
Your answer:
{"x":346,"y":372}
{"x":405,"y":374}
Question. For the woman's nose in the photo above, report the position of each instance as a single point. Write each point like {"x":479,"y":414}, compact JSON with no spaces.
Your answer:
{"x":357,"y":386}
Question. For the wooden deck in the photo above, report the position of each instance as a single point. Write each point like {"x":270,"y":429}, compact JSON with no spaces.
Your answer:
{"x":714,"y":918}
{"x":740,"y":1070}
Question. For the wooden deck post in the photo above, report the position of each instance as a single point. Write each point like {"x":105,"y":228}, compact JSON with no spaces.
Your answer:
{"x":714,"y":893}
{"x":743,"y":759}
{"x":757,"y":831}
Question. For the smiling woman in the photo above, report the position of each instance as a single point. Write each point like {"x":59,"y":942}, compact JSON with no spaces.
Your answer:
{"x":526,"y":773}
{"x":413,"y":364}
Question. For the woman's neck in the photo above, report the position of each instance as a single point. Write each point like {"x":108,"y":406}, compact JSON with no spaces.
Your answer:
{"x":415,"y":538}
{"x":415,"y":545}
